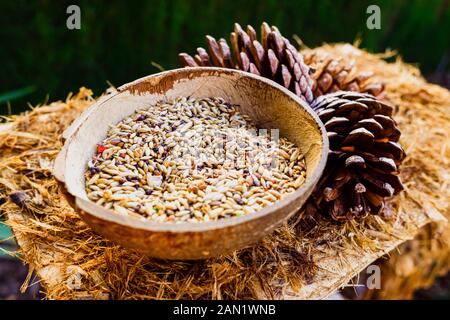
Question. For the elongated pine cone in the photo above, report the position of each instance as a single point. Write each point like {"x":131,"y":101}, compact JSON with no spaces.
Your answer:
{"x":333,"y":74}
{"x":273,"y":57}
{"x":364,"y":156}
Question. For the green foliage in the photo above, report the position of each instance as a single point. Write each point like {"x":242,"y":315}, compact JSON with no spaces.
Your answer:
{"x":119,"y":40}
{"x":5,"y":233}
{"x":12,"y":95}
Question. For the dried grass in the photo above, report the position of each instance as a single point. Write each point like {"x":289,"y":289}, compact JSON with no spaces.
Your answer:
{"x":57,"y":244}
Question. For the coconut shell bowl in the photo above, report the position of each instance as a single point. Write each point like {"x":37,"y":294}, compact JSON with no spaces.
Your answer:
{"x":268,"y":104}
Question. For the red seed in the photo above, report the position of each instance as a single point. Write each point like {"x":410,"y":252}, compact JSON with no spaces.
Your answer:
{"x":100,"y":148}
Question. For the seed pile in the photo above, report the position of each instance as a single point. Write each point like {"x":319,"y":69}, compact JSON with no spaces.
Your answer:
{"x":191,"y":160}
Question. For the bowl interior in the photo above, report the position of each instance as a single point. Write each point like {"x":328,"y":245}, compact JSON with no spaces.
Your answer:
{"x":268,"y":104}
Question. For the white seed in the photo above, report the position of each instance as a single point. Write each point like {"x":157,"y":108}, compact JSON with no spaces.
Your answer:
{"x":214,"y":196}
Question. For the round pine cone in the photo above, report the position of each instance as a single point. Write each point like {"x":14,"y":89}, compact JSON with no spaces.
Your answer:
{"x":273,"y":57}
{"x":362,"y":167}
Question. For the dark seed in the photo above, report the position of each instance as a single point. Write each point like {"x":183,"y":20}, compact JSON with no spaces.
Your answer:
{"x":115,"y":142}
{"x":94,"y":170}
{"x":20,"y":198}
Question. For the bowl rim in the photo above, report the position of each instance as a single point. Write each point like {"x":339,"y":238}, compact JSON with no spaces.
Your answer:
{"x":100,"y":212}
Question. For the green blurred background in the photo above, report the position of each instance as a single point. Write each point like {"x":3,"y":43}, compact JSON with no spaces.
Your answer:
{"x":118,"y":41}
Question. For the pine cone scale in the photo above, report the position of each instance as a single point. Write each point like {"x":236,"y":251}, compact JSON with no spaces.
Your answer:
{"x":334,"y":74}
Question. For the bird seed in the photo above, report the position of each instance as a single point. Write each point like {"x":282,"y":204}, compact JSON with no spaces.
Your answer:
{"x":192,"y":160}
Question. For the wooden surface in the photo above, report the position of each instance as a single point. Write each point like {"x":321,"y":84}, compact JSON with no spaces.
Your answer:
{"x":336,"y":268}
{"x":335,"y":274}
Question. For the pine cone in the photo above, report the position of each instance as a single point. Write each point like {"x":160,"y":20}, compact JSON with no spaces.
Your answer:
{"x":333,"y":74}
{"x":364,"y":151}
{"x":364,"y":156}
{"x":273,"y":57}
